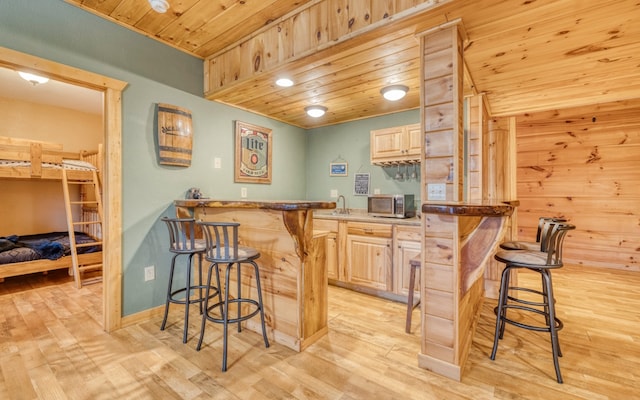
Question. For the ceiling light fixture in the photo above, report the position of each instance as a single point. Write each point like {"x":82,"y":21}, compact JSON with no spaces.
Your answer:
{"x":315,"y":111}
{"x":32,"y":78}
{"x":159,"y":6}
{"x":284,"y":82}
{"x":394,"y":92}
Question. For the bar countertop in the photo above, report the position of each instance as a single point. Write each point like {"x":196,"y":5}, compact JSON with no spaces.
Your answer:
{"x":285,"y":205}
{"x":480,"y":209}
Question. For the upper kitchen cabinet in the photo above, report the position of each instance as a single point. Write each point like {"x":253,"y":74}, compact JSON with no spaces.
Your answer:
{"x":397,"y":145}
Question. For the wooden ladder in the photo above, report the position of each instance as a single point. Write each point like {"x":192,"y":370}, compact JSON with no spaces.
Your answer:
{"x":90,"y":197}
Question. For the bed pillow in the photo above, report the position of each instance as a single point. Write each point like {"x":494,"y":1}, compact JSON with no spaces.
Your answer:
{"x":8,"y":243}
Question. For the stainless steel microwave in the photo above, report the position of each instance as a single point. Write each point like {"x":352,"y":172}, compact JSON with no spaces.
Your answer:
{"x":392,"y":205}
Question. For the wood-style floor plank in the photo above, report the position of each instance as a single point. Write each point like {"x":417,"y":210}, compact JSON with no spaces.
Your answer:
{"x":52,"y":347}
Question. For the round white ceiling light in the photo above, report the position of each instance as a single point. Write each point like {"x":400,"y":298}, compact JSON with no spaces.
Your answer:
{"x":284,"y":82}
{"x":394,"y":92}
{"x":315,"y":111}
{"x":33,"y":78}
{"x":159,"y":6}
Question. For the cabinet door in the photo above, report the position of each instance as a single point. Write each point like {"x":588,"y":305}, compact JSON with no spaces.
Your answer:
{"x":387,"y":144}
{"x":405,"y":252}
{"x":332,"y":256}
{"x":414,"y":140}
{"x":369,"y":262}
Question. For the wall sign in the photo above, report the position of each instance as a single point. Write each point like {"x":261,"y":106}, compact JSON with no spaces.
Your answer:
{"x":361,"y":184}
{"x":338,"y":169}
{"x":175,"y":136}
{"x":254,"y":151}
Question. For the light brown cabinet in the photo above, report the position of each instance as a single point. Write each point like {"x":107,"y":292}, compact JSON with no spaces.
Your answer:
{"x":400,"y":144}
{"x":331,"y":229}
{"x":332,"y":255}
{"x":369,"y":262}
{"x":371,"y":257}
{"x":407,"y":246}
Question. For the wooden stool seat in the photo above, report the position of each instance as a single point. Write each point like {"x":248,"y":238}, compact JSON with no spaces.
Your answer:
{"x":415,"y":264}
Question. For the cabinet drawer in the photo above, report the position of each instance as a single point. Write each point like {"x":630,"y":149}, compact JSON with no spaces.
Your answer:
{"x":368,"y":229}
{"x":329,"y":225}
{"x":412,"y":233}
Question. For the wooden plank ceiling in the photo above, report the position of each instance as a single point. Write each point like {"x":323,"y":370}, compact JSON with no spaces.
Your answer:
{"x":523,"y":55}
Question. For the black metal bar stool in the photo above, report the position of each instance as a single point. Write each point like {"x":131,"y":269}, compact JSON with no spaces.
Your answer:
{"x":414,"y":263}
{"x":527,"y":245}
{"x":182,"y":241}
{"x":222,"y":248}
{"x":549,"y":257}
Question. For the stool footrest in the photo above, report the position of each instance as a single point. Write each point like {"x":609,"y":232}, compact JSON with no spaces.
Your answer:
{"x":233,"y":320}
{"x":537,"y":328}
{"x":173,"y":300}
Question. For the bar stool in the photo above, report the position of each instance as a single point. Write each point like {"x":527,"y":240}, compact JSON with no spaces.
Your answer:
{"x":182,"y":241}
{"x":415,"y":264}
{"x":548,"y":258}
{"x":222,"y":248}
{"x":525,"y":245}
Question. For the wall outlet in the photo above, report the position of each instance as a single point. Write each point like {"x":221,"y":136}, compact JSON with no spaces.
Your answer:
{"x":149,"y":273}
{"x":243,"y":193}
{"x":436,"y":191}
{"x":334,"y":193}
{"x":376,"y":191}
{"x":217,"y":163}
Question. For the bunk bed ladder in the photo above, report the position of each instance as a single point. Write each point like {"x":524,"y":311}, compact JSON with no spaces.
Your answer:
{"x":89,"y":199}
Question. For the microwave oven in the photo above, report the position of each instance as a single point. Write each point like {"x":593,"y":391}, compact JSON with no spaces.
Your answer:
{"x":392,"y":205}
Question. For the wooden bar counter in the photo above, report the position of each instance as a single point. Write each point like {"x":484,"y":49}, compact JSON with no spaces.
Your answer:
{"x":292,"y":262}
{"x":460,"y":238}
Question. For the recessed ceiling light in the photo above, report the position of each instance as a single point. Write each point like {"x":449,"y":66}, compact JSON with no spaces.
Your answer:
{"x":33,"y":78}
{"x":315,"y":111}
{"x":284,"y":82}
{"x":159,"y":6}
{"x":394,"y":92}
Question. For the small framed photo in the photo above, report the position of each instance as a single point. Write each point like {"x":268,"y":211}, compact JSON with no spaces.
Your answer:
{"x":338,"y":169}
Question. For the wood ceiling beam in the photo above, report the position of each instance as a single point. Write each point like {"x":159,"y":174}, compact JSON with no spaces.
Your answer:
{"x":315,"y":31}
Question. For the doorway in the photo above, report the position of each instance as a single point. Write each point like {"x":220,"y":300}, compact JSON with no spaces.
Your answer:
{"x":111,"y":90}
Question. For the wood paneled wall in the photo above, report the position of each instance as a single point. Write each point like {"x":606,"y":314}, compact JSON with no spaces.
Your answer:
{"x":583,"y":164}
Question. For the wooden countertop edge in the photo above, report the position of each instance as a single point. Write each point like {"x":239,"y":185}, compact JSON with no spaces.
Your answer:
{"x":494,"y":209}
{"x":285,"y":205}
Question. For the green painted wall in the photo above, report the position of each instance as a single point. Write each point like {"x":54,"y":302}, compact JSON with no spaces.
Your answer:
{"x":156,"y":73}
{"x":350,"y":142}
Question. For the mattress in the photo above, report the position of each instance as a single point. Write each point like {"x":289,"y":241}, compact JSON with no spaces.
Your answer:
{"x":76,"y":165}
{"x":50,"y":246}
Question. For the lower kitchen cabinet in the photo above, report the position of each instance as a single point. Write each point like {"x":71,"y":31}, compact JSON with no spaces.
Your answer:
{"x":371,"y":257}
{"x":369,"y":262}
{"x":332,"y":256}
{"x":404,"y":252}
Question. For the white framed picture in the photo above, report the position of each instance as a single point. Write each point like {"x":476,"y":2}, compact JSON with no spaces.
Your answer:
{"x":361,"y":184}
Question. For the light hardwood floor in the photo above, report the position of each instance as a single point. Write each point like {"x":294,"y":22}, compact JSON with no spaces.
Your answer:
{"x":52,"y":347}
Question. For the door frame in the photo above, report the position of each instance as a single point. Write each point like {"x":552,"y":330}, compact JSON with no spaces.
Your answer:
{"x":112,"y":167}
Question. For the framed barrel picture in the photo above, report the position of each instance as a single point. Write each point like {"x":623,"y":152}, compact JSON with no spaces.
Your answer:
{"x":254,"y":151}
{"x":175,"y":138}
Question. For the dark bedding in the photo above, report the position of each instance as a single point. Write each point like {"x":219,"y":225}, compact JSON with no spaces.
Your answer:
{"x":50,"y":246}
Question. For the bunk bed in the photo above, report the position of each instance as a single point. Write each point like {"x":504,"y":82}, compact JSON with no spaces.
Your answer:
{"x":29,"y":159}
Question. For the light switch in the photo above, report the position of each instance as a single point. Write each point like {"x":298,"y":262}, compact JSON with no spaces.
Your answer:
{"x":436,"y":191}
{"x":243,"y":193}
{"x":217,"y":163}
{"x":334,"y":193}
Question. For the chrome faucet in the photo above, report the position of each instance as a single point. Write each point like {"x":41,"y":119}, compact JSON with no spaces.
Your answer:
{"x":344,"y":205}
